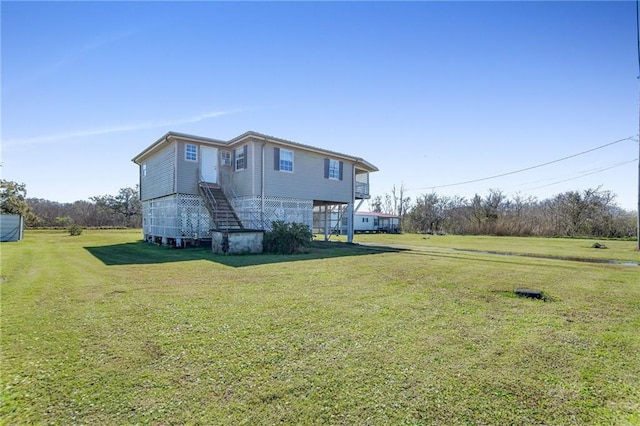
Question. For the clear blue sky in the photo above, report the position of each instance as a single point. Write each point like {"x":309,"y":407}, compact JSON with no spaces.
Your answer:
{"x":433,"y":93}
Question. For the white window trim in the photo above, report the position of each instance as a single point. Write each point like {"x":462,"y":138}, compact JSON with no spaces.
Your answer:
{"x":283,"y":151}
{"x":239,"y":155}
{"x":337,"y":169}
{"x":186,"y":152}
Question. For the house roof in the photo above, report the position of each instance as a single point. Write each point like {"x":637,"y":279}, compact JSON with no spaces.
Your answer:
{"x":360,"y":162}
{"x":377,"y":214}
{"x":167,"y":138}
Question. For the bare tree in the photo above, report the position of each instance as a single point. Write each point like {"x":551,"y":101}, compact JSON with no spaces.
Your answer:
{"x":387,"y":205}
{"x":579,"y":213}
{"x":375,"y":204}
{"x":428,"y":214}
{"x":400,"y":201}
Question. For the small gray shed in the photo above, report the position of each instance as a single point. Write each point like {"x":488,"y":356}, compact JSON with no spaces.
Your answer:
{"x":11,"y":227}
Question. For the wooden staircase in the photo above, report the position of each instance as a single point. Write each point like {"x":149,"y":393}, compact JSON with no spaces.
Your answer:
{"x":222,"y":213}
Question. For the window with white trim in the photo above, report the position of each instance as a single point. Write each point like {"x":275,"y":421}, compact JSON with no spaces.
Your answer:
{"x":334,"y":169}
{"x":191,"y":152}
{"x":240,"y":160}
{"x":286,"y":160}
{"x":144,"y":169}
{"x":225,"y":158}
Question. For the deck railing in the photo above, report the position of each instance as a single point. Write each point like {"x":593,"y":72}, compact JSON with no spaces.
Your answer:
{"x":362,"y":190}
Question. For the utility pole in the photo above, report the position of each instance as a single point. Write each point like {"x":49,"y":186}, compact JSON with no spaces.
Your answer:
{"x":638,"y":45}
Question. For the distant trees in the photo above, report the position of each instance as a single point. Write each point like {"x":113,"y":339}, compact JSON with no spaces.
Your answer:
{"x":591,"y":212}
{"x":120,"y":210}
{"x":486,"y":211}
{"x":125,"y":205}
{"x":580,"y":213}
{"x":396,"y":203}
{"x":429,"y":213}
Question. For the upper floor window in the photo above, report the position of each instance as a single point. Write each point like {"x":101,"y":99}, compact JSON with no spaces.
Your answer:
{"x":144,"y":169}
{"x":282,"y":159}
{"x":334,"y":169}
{"x":191,"y":153}
{"x":241,"y":158}
{"x":225,"y":158}
{"x":286,"y":160}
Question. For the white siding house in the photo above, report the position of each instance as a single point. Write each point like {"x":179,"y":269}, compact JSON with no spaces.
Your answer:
{"x":191,"y":185}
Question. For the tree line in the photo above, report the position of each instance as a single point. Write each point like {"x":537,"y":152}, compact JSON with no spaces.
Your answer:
{"x":591,"y":212}
{"x":122,"y":210}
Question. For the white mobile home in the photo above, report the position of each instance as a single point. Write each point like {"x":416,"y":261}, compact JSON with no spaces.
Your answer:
{"x":191,"y":186}
{"x":376,"y":222}
{"x":364,"y":222}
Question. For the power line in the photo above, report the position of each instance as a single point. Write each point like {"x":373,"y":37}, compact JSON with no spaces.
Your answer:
{"x":527,"y":168}
{"x":585,"y":174}
{"x":638,"y":43}
{"x":548,"y":181}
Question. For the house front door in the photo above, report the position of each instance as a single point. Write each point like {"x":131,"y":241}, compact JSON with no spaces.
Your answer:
{"x":209,"y":164}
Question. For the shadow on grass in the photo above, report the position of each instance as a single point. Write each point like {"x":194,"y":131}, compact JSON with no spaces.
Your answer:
{"x":140,"y":253}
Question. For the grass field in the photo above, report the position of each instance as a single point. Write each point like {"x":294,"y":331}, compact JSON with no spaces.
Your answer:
{"x":105,"y":329}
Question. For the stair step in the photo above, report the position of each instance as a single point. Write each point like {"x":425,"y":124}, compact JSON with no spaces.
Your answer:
{"x":219,"y":207}
{"x":210,"y":185}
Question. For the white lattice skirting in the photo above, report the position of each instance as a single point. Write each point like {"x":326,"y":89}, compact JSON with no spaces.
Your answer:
{"x":185,"y":216}
{"x":249,"y":210}
{"x":176,"y":216}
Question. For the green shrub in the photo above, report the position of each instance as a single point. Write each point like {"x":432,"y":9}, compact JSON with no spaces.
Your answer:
{"x":287,"y":238}
{"x":75,"y":230}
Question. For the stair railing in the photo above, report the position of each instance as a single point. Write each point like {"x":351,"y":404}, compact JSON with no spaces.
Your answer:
{"x":249,"y":216}
{"x":212,"y":204}
{"x":228,"y":216}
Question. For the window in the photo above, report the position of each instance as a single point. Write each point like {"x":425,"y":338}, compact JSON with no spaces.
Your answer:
{"x":240,"y":156}
{"x":191,"y":153}
{"x":282,"y":159}
{"x":335,"y":170}
{"x":144,"y":169}
{"x":225,"y":158}
{"x":286,"y":160}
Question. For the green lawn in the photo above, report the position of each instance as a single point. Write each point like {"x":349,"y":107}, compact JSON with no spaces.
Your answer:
{"x":105,"y":329}
{"x":551,"y":247}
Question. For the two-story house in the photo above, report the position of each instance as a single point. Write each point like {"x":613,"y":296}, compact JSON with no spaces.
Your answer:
{"x":191,"y":185}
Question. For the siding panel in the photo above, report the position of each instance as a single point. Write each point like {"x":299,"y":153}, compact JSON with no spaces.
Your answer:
{"x":188,"y":171}
{"x":159,"y":179}
{"x":242,"y":180}
{"x":308,"y":178}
